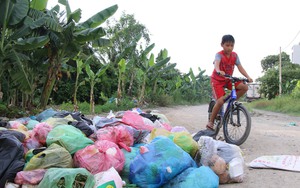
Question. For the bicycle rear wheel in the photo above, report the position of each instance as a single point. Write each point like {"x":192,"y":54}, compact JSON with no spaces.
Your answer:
{"x":237,"y":129}
{"x":217,"y":121}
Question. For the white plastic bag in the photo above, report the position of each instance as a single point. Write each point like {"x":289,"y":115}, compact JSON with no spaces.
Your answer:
{"x":109,"y":178}
{"x":284,"y":162}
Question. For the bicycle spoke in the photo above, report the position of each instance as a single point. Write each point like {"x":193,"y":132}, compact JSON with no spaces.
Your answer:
{"x":238,"y":129}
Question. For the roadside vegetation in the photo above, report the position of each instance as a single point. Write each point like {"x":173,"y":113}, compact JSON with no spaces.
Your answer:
{"x":288,"y":103}
{"x":52,"y":58}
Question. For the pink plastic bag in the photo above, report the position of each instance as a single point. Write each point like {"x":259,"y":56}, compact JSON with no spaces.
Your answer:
{"x":40,"y":132}
{"x":32,"y":177}
{"x":100,"y":157}
{"x":135,"y":120}
{"x":118,"y":135}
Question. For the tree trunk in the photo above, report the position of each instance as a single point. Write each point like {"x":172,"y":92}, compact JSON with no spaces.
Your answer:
{"x":119,"y":92}
{"x":92,"y":103}
{"x":1,"y":93}
{"x":154,"y":87}
{"x":123,"y":84}
{"x":50,"y":81}
{"x":75,"y":93}
{"x":141,"y":99}
{"x":131,"y":84}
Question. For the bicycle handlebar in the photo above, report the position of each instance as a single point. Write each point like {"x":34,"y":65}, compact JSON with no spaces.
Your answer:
{"x":236,"y":79}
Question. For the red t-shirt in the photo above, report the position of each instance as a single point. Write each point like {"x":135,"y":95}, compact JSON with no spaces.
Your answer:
{"x":226,"y":64}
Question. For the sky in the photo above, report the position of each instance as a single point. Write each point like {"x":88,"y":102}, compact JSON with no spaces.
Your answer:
{"x":191,"y":30}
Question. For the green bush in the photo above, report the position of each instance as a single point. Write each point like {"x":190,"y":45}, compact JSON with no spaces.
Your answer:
{"x":162,"y":100}
{"x":68,"y":106}
{"x":3,"y":110}
{"x":296,"y":91}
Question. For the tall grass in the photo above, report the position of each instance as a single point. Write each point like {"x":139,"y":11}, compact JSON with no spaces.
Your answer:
{"x":283,"y":104}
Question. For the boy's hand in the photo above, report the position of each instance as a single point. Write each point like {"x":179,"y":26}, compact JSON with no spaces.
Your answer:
{"x":250,"y":80}
{"x":222,"y":73}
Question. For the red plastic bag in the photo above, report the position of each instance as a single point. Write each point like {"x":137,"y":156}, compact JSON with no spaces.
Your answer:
{"x":135,"y":120}
{"x":40,"y":132}
{"x":32,"y":177}
{"x":118,"y":135}
{"x":100,"y":157}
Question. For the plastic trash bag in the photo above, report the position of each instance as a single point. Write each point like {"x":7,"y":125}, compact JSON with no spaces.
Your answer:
{"x":116,"y":134}
{"x":109,"y":178}
{"x":129,"y":156}
{"x":11,"y":157}
{"x":100,"y":157}
{"x":53,"y":156}
{"x":69,"y":137}
{"x":202,"y":177}
{"x":40,"y":132}
{"x":32,"y":177}
{"x":138,"y":122}
{"x":45,"y":114}
{"x":67,"y":178}
{"x":158,"y":163}
{"x":31,"y":124}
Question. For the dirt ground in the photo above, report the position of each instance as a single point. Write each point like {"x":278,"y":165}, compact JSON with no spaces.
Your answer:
{"x":270,"y":134}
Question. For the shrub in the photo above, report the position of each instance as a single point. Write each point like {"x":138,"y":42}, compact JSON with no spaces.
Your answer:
{"x":296,"y":91}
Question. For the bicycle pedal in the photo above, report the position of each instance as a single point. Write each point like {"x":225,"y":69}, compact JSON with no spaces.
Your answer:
{"x":218,"y":117}
{"x":220,"y":138}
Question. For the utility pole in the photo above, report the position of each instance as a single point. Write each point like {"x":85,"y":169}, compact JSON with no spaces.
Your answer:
{"x":280,"y":71}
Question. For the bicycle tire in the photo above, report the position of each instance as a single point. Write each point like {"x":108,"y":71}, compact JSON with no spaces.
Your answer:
{"x":217,"y":122}
{"x":229,"y":138}
{"x":210,"y":107}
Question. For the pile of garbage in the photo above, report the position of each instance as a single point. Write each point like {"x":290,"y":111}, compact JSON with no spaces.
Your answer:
{"x":127,"y":149}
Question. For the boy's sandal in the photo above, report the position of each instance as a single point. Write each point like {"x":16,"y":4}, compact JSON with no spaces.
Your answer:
{"x":210,"y":127}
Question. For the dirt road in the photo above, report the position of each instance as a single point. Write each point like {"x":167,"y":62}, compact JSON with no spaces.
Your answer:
{"x":271,"y":134}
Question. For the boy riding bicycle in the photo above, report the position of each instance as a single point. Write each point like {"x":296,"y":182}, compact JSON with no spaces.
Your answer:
{"x":224,"y":63}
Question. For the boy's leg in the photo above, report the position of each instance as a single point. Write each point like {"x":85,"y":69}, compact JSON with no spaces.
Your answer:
{"x":216,"y":109}
{"x":218,"y":93}
{"x":241,"y":89}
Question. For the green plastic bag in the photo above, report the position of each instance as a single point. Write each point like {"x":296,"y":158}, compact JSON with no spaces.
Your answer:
{"x":68,"y":137}
{"x":67,"y":178}
{"x":53,"y":156}
{"x":31,"y":124}
{"x":185,"y":141}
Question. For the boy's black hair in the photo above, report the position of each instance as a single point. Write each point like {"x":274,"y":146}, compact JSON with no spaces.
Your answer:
{"x":227,"y":38}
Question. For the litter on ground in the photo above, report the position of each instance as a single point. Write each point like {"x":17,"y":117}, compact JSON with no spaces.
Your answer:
{"x":124,"y":149}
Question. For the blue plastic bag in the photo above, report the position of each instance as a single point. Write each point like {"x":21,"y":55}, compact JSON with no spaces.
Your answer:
{"x":160,"y":162}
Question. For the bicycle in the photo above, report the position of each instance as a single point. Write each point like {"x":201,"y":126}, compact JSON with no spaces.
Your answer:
{"x":235,"y":119}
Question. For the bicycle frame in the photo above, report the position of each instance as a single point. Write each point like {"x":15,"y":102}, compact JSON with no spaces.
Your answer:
{"x":235,"y":115}
{"x":231,"y":98}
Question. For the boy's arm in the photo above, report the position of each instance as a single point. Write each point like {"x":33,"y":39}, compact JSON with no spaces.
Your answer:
{"x":217,"y":67}
{"x":243,"y":72}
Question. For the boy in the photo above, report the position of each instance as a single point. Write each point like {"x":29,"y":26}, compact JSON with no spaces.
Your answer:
{"x":224,"y":63}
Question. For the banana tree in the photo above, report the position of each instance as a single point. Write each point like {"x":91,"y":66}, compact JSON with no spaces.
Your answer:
{"x":161,"y":68}
{"x":68,"y":43}
{"x":17,"y":40}
{"x":94,"y":78}
{"x":122,"y":68}
{"x":79,"y":67}
{"x":148,"y":66}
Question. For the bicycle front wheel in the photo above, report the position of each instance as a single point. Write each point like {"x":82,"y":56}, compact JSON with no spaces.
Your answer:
{"x":237,"y":125}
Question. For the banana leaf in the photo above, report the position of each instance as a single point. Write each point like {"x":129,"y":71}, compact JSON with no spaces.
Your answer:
{"x":101,"y":42}
{"x":13,"y":12}
{"x":89,"y":34}
{"x":39,"y":4}
{"x":32,"y":43}
{"x":99,"y":18}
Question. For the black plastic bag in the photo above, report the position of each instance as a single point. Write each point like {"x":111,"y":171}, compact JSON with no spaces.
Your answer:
{"x":11,"y":158}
